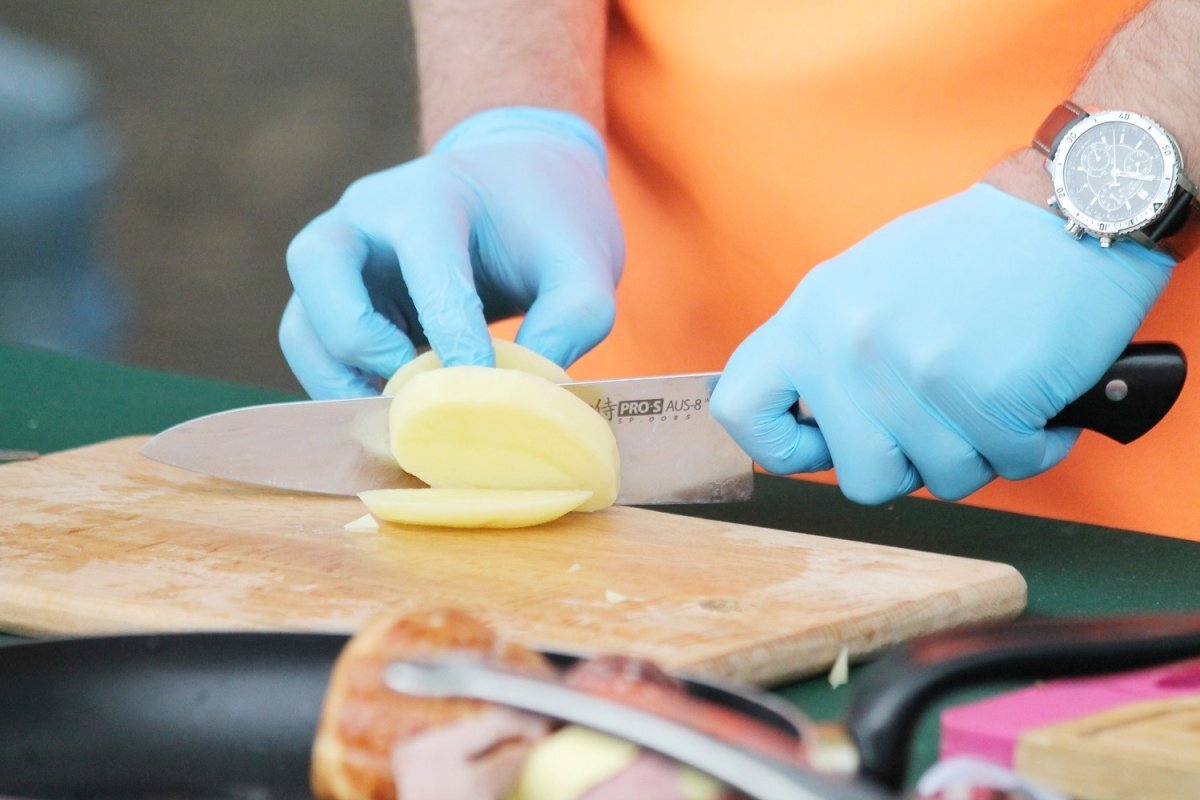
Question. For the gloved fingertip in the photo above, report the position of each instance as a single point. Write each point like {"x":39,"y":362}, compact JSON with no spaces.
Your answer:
{"x":874,"y":489}
{"x":1033,"y":454}
{"x":965,"y":479}
{"x":557,"y":348}
{"x":563,"y":325}
{"x":804,"y":449}
{"x":1059,"y":442}
{"x":464,"y":347}
{"x":322,"y":376}
{"x":349,"y":386}
{"x":779,"y":444}
{"x":385,"y":359}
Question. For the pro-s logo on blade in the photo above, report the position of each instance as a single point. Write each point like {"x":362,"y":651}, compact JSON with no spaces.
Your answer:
{"x":654,"y":407}
{"x":639,"y":408}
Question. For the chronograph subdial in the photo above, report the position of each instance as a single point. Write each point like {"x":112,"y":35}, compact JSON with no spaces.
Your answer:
{"x":1097,"y":159}
{"x":1138,"y":164}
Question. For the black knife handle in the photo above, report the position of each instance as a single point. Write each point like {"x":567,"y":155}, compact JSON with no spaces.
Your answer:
{"x":1132,"y":397}
{"x":890,"y":697}
{"x":1137,"y":391}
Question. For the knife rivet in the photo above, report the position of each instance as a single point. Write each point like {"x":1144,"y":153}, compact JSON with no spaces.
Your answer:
{"x":1116,"y":390}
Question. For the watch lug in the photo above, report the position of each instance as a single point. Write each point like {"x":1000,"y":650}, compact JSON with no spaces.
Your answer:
{"x":1142,"y":239}
{"x":1186,"y":183}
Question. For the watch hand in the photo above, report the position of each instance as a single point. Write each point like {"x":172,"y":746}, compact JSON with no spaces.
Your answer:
{"x":1120,"y":173}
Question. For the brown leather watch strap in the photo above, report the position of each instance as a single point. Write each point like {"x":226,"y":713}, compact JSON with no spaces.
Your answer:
{"x":1050,"y":132}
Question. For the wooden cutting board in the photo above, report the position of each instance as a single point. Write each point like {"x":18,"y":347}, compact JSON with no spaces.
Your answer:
{"x":1141,"y":751}
{"x":102,"y":540}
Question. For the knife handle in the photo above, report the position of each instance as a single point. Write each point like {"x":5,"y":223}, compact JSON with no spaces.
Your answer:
{"x":1133,"y":395}
{"x":891,"y":696}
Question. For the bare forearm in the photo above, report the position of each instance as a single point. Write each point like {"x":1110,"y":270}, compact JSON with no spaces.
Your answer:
{"x":479,"y":54}
{"x":1151,"y":66}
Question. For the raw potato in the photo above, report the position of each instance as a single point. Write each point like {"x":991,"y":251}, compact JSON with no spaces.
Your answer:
{"x":509,"y":355}
{"x":473,"y":508}
{"x":364,"y":524}
{"x":492,"y":428}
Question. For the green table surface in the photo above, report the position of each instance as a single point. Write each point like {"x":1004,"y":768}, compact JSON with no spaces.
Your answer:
{"x":51,"y":402}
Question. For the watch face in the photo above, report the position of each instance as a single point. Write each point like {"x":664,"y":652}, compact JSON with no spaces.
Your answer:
{"x":1114,"y":172}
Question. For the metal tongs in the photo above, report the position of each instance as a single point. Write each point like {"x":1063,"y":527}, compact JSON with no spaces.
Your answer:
{"x":863,"y":757}
{"x":754,"y":774}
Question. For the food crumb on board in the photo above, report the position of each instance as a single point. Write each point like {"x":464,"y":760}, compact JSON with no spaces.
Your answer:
{"x":839,"y":675}
{"x":364,"y":524}
{"x":574,"y":568}
{"x":614,"y":597}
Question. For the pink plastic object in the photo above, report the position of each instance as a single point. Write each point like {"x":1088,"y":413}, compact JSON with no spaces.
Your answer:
{"x":989,"y":729}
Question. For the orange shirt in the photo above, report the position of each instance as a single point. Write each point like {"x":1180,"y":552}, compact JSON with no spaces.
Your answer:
{"x":751,"y":140}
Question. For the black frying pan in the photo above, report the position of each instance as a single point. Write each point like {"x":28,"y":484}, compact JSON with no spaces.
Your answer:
{"x":232,"y":715}
{"x":209,"y":715}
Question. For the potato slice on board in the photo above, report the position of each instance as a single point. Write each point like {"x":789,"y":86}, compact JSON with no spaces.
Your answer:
{"x":492,"y":428}
{"x":509,"y":355}
{"x":472,"y":508}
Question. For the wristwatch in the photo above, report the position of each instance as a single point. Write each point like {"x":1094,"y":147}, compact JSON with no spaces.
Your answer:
{"x":1119,"y":175}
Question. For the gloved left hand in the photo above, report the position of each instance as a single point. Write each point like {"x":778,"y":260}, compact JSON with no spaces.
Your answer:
{"x":509,"y":213}
{"x":934,"y":351}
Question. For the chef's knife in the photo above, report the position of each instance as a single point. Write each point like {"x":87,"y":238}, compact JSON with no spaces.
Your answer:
{"x":672,"y":449}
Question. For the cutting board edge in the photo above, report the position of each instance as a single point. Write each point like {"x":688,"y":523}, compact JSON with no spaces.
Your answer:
{"x":39,"y":613}
{"x":816,"y":653}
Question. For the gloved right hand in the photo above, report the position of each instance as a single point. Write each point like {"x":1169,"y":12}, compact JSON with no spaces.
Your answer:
{"x":509,"y":213}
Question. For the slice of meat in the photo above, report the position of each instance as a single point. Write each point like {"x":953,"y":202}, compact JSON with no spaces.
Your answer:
{"x":645,"y":685}
{"x":375,"y":744}
{"x":478,"y":757}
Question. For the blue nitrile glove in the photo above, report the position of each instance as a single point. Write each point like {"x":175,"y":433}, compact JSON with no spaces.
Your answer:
{"x":935,"y":350}
{"x":510,"y":212}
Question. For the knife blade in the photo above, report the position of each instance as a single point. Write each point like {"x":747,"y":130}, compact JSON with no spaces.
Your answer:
{"x":672,"y":449}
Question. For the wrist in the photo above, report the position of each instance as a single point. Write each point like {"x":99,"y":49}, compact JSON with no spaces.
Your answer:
{"x":517,"y":119}
{"x":1150,"y":67}
{"x":1022,"y":174}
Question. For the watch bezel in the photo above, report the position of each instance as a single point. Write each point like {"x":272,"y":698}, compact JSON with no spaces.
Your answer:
{"x":1163,"y":193}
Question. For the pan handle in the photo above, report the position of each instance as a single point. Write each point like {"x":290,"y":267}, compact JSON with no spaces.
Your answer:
{"x":897,"y":689}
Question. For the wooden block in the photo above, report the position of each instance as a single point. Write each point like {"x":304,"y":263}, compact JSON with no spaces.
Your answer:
{"x":1141,"y":751}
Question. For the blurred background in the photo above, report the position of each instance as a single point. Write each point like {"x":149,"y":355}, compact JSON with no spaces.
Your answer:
{"x":157,"y":156}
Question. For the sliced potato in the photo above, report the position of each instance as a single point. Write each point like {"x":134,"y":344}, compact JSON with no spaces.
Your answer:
{"x":509,"y":355}
{"x":472,"y":508}
{"x":492,"y":428}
